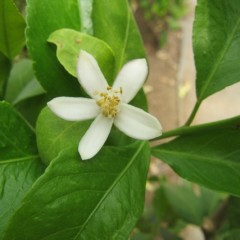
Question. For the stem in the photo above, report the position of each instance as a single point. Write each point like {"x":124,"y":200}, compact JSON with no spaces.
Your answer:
{"x":226,"y":123}
{"x":193,"y":114}
{"x":171,"y":133}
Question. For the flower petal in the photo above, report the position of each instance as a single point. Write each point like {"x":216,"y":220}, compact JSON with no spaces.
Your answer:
{"x":131,"y":78}
{"x":95,"y":137}
{"x":90,"y":75}
{"x":74,"y":109}
{"x":137,"y":123}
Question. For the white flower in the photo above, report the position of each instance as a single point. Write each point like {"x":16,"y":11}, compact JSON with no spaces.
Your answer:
{"x":109,"y":105}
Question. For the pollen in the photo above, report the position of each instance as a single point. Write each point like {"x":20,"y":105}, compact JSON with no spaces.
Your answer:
{"x":109,"y":102}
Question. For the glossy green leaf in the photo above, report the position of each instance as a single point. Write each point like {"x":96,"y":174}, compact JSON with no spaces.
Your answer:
{"x":209,"y":157}
{"x":43,"y":18}
{"x":216,"y":44}
{"x":97,"y":199}
{"x":114,"y":24}
{"x":70,"y":42}
{"x":12,"y":26}
{"x":55,"y":134}
{"x":19,"y":162}
{"x":5,"y":66}
{"x":22,"y":83}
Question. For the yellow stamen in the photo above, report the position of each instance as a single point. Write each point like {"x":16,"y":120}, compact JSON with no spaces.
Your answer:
{"x":109,"y":102}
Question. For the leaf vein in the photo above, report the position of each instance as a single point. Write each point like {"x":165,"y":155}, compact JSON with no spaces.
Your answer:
{"x":110,"y":189}
{"x":218,"y":60}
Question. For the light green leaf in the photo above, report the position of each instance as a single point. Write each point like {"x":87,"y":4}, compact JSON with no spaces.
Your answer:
{"x":12,"y":27}
{"x":22,"y":84}
{"x":19,"y":162}
{"x":55,"y":134}
{"x":43,"y":18}
{"x":216,"y":44}
{"x":70,"y":42}
{"x":5,"y":66}
{"x":209,"y":157}
{"x":97,"y":199}
{"x":114,"y":24}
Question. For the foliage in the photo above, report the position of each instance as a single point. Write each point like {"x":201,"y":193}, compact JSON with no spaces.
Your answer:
{"x":48,"y":192}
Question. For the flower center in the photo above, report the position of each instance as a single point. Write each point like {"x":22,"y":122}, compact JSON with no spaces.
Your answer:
{"x":109,"y":102}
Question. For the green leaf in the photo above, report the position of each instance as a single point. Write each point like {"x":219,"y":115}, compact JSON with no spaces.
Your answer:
{"x":162,"y":208}
{"x":12,"y":26}
{"x":233,"y":234}
{"x":70,"y":42}
{"x":5,"y":66}
{"x":19,"y":162}
{"x":203,"y":202}
{"x":216,"y":44}
{"x":30,"y":108}
{"x":97,"y":199}
{"x":233,"y":212}
{"x":43,"y":18}
{"x":114,"y":24}
{"x":22,"y":84}
{"x":60,"y":134}
{"x":209,"y":157}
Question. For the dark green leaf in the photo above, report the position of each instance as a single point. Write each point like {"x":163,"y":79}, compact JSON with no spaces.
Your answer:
{"x":43,"y":18}
{"x":141,"y":236}
{"x":161,"y":205}
{"x":114,"y":24}
{"x":70,"y":42}
{"x":184,"y":203}
{"x":216,"y":43}
{"x":97,"y":199}
{"x":19,"y":162}
{"x":30,"y":108}
{"x":209,"y":157}
{"x":5,"y":66}
{"x":60,"y":134}
{"x":192,"y":206}
{"x":234,"y":212}
{"x":12,"y":27}
{"x":22,"y":84}
{"x":231,"y":235}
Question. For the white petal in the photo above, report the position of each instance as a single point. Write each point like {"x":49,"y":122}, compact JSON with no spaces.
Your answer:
{"x":90,"y":75}
{"x":95,"y":137}
{"x":131,"y":78}
{"x":137,"y":123}
{"x":74,"y":109}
